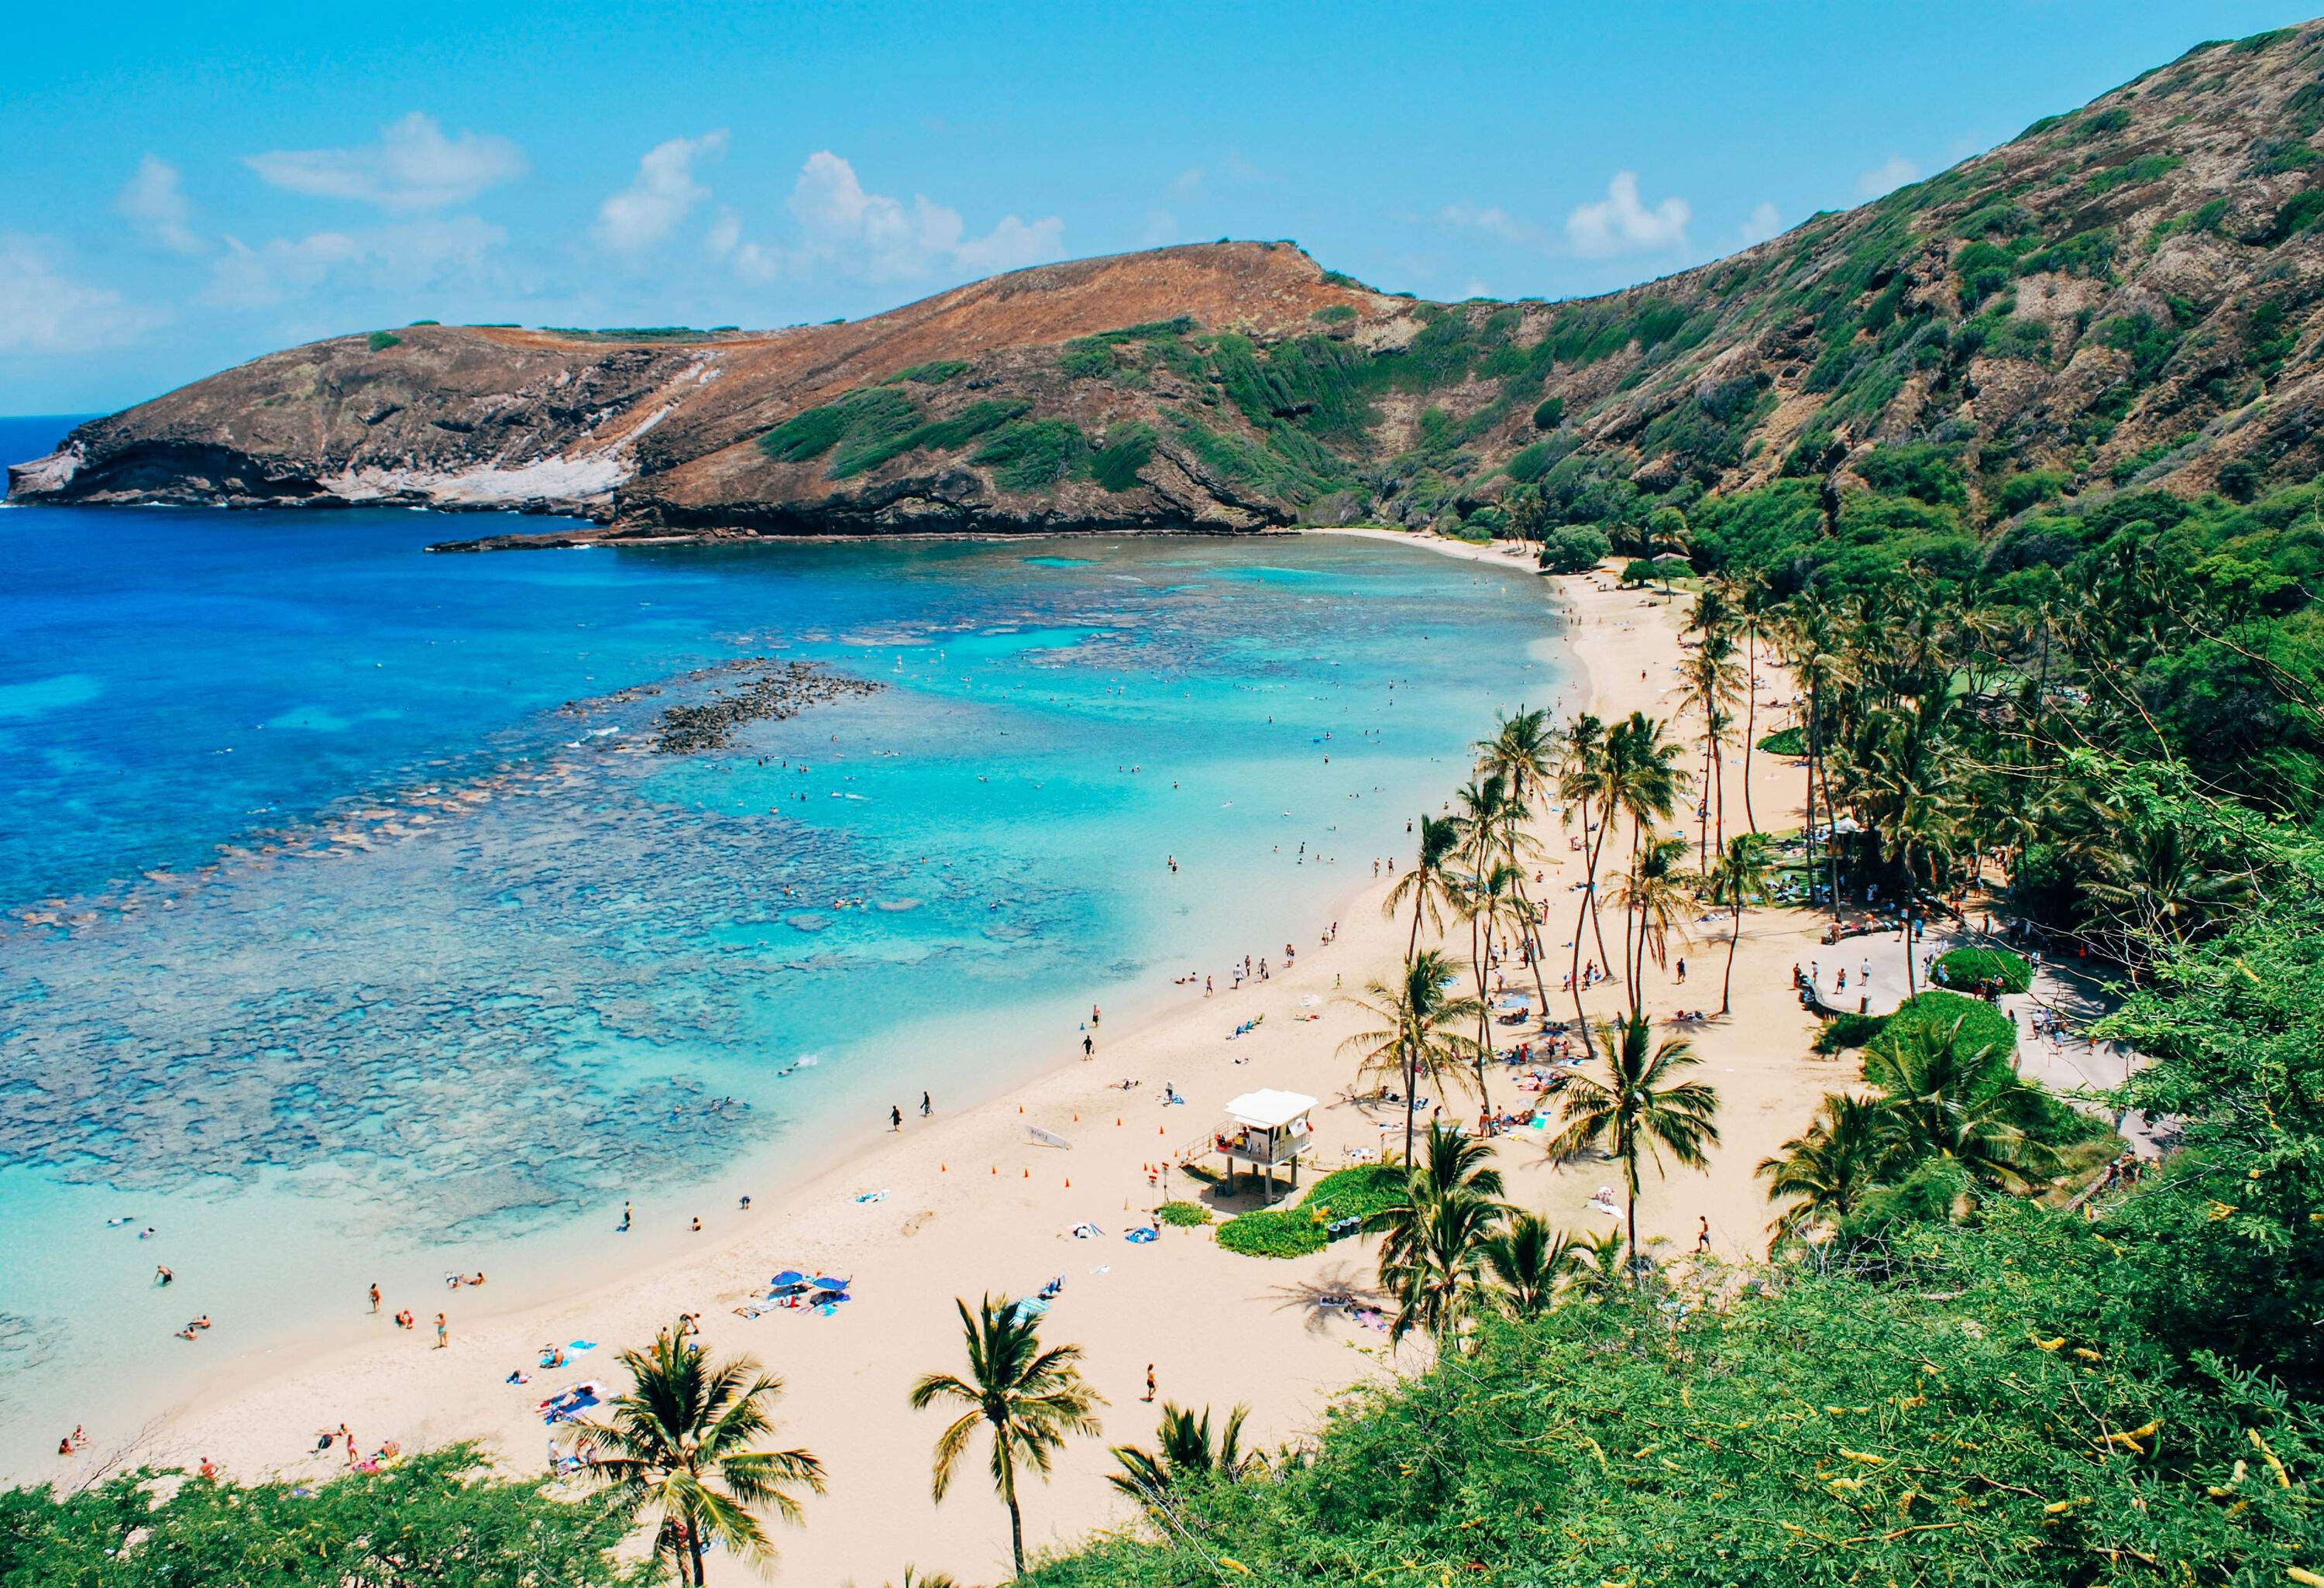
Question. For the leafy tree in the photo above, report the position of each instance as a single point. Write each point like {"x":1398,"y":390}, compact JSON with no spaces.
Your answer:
{"x":680,"y":1444}
{"x":1027,"y":1401}
{"x":444,"y":1517}
{"x":1427,"y":885}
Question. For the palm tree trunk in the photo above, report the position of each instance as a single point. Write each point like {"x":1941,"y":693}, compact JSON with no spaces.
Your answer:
{"x":1016,"y":1535}
{"x":1734,"y":937}
{"x":1718,"y":793}
{"x":1750,"y":715}
{"x":693,"y":1550}
{"x":1630,"y":1259}
{"x":1411,"y":1085}
{"x":1531,"y":945}
{"x":1484,"y":1010}
{"x":1597,"y":925}
{"x":1580,"y":1016}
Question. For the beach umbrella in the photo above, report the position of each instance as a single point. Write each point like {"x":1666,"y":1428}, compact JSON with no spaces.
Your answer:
{"x":789,"y":1276}
{"x":825,"y":1282}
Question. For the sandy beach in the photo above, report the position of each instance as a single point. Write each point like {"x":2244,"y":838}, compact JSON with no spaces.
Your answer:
{"x":971,"y":1204}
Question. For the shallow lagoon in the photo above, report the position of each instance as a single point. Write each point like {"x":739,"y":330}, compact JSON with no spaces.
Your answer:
{"x":351,"y":933}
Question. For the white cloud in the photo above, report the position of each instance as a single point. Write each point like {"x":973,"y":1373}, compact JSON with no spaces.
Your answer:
{"x":1620,"y":223}
{"x":1494,"y":222}
{"x":1889,"y":175}
{"x":661,"y":195}
{"x":1762,"y":223}
{"x":751,"y":261}
{"x":845,"y":227}
{"x":44,"y":312}
{"x":1013,"y":245}
{"x":413,"y":166}
{"x":414,"y":256}
{"x":153,"y":201}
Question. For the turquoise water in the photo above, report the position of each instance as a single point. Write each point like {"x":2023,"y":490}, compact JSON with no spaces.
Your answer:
{"x":350,"y":929}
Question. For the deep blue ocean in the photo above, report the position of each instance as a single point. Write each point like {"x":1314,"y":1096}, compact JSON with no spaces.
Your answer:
{"x":350,"y":927}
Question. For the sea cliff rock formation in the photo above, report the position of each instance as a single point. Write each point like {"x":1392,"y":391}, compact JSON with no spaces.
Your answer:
{"x":2128,"y":295}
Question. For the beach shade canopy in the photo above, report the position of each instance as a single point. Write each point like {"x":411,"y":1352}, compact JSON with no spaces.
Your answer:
{"x":1269,"y":1110}
{"x":825,"y":1282}
{"x":787,"y":1277}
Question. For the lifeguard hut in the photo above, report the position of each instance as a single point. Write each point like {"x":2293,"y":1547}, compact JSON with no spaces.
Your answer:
{"x":1270,"y":1130}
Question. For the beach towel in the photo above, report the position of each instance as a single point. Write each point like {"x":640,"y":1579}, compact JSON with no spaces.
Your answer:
{"x":1084,"y":1231}
{"x":1142,"y":1235}
{"x":872,"y":1196}
{"x":1047,"y":1137}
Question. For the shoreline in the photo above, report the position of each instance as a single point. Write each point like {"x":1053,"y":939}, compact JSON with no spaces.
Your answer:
{"x":945,"y":1229}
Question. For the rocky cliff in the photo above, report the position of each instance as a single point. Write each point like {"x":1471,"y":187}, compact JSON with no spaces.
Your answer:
{"x":2131,"y":294}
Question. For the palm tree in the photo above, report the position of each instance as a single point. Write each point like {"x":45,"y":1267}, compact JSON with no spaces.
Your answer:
{"x":1712,"y":676}
{"x":1746,"y":870}
{"x":1595,"y":1265}
{"x":679,"y":1444}
{"x":1426,"y":883}
{"x":1819,"y":665}
{"x":1827,"y":1170}
{"x":1433,"y":1253}
{"x":1638,"y":1109}
{"x":1644,"y":782}
{"x":1654,"y":891}
{"x":1490,"y":903}
{"x":1527,"y":1257}
{"x":1184,"y":1453}
{"x":1521,"y":752}
{"x":1582,"y":781}
{"x":1419,"y":1035}
{"x":1028,"y":1399}
{"x":1748,"y":596}
{"x":1948,"y":1095}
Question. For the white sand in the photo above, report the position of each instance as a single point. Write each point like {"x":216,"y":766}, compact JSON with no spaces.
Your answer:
{"x":972,"y":1206}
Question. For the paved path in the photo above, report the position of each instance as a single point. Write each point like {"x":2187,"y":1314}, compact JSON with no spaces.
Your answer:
{"x":2066,"y":1061}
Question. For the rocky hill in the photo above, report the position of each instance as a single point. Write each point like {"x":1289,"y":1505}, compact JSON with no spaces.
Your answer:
{"x":2127,"y":295}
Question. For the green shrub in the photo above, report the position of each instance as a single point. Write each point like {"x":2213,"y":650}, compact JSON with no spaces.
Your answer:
{"x":427,"y":322}
{"x":1528,"y":464}
{"x":1184,"y":1214}
{"x":1274,"y":1231}
{"x":1029,"y":454}
{"x":1639,"y":570}
{"x":1972,"y":969}
{"x":1333,"y":314}
{"x":1549,"y":413}
{"x":1843,"y":1031}
{"x":1356,"y":1192}
{"x":380,"y":341}
{"x":2022,"y":491}
{"x":1981,"y":1025}
{"x":935,"y":373}
{"x":1126,"y":450}
{"x":1574,"y":549}
{"x":2146,"y":168}
{"x":2299,"y":213}
{"x":1791,"y":740}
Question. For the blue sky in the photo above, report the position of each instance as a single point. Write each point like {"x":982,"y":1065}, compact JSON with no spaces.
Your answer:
{"x":184,"y":188}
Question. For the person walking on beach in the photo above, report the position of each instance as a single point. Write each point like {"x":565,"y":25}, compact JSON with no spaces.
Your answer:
{"x":1702,"y":1235}
{"x":895,"y":1118}
{"x":926,"y":1108}
{"x":625,"y":1218}
{"x":374,"y":1298}
{"x":1150,"y":1382}
{"x":443,"y":1334}
{"x":1089,"y":1045}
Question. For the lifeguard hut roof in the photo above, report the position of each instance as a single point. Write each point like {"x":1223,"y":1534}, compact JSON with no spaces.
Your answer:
{"x":1269,"y":1110}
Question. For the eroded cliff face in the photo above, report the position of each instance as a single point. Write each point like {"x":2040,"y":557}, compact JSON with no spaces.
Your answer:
{"x":2130,"y":295}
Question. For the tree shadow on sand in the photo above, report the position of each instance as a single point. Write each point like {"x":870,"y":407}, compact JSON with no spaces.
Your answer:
{"x":1335,"y":1293}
